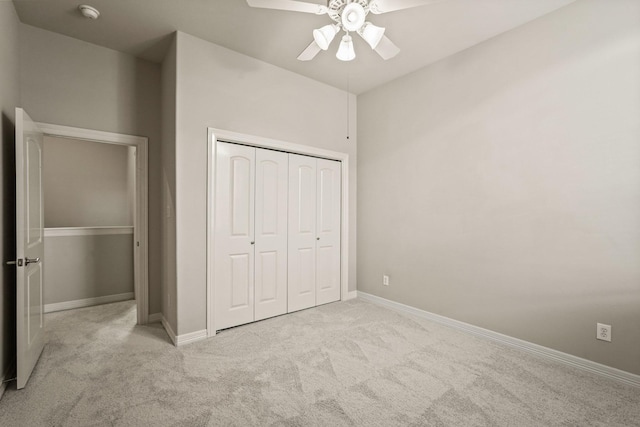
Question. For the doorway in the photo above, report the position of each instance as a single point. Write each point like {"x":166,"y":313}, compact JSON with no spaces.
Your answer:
{"x":132,"y":233}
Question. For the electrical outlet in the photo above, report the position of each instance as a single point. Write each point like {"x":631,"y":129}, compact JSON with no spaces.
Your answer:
{"x":603,"y":332}
{"x":385,"y":280}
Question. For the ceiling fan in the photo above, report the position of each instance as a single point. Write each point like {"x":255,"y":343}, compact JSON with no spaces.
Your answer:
{"x":348,"y":16}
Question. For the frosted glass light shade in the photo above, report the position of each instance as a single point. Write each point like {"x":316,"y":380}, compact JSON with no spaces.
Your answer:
{"x":324,"y":36}
{"x":372,"y":34}
{"x":345,"y":51}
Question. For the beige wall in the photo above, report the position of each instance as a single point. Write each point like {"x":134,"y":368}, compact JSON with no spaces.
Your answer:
{"x":87,"y":266}
{"x":65,"y":81}
{"x":168,"y":176}
{"x":501,"y":186}
{"x":9,"y":99}
{"x":86,"y":184}
{"x":223,"y":89}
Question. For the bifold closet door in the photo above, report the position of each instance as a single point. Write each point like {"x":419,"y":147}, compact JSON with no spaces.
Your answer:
{"x":250,"y":278}
{"x":328,"y":231}
{"x":272,"y":172}
{"x":234,"y":231}
{"x":302,"y":232}
{"x":314,"y":231}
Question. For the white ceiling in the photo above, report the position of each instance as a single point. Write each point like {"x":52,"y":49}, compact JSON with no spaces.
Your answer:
{"x":424,"y":34}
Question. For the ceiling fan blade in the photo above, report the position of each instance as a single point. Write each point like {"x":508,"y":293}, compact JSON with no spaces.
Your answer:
{"x":384,"y":6}
{"x":310,"y":52}
{"x":292,"y":5}
{"x":386,"y":49}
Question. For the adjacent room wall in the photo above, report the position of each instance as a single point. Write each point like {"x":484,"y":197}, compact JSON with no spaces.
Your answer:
{"x":219,"y":88}
{"x":86,"y":268}
{"x":501,"y":186}
{"x":86,"y":184}
{"x":70,"y":82}
{"x":9,"y":100}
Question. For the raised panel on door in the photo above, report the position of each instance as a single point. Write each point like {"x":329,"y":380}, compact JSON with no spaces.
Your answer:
{"x":328,"y":231}
{"x":271,"y":233}
{"x":302,"y":232}
{"x":234,"y":232}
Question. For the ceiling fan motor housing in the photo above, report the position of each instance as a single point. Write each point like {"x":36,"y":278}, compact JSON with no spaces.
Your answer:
{"x":350,"y":14}
{"x":353,"y":17}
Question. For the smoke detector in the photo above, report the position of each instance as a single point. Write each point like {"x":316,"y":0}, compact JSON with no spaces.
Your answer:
{"x":89,"y":11}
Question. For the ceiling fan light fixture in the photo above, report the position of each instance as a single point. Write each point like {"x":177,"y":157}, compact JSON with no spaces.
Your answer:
{"x":353,"y":16}
{"x":372,"y":34}
{"x":324,"y":36}
{"x":345,"y":51}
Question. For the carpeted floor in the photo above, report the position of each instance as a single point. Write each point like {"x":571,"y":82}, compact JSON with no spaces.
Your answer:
{"x":351,"y":363}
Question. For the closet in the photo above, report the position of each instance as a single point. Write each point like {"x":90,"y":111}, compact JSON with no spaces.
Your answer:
{"x":276,"y":233}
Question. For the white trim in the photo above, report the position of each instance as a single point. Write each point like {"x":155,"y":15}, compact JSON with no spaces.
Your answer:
{"x":11,"y":368}
{"x":86,"y":231}
{"x":155,"y":318}
{"x":190,"y":337}
{"x":91,"y":135}
{"x":167,"y":328}
{"x":352,"y":295}
{"x":211,"y":185}
{"x":140,"y":225}
{"x":87,"y":302}
{"x":214,"y":135}
{"x":548,"y":353}
{"x":180,"y":340}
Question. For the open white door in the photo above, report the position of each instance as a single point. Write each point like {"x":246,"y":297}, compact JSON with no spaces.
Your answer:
{"x":29,"y":246}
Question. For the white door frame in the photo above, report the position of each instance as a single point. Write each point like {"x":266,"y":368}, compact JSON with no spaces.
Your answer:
{"x":214,"y":135}
{"x":140,"y":218}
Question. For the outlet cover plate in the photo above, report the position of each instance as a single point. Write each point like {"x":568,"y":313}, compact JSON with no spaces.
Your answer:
{"x":603,"y":332}
{"x":385,"y":280}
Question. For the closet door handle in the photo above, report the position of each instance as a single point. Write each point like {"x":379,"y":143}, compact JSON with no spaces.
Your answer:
{"x":253,"y":243}
{"x":28,"y":261}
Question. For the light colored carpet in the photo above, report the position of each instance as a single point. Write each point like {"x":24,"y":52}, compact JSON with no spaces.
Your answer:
{"x":350,"y":363}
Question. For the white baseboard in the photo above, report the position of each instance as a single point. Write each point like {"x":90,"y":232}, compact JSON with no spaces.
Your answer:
{"x":567,"y":359}
{"x":351,"y":295}
{"x":180,"y":340}
{"x":5,"y":376}
{"x":190,"y":337}
{"x":154,"y":318}
{"x":87,"y":302}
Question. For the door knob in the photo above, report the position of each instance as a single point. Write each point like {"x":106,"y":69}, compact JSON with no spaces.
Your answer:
{"x":28,"y":261}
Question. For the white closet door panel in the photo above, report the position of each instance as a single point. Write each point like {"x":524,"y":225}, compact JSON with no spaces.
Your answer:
{"x":302,"y":232}
{"x":272,"y":171}
{"x":328,"y":224}
{"x":234,"y":235}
